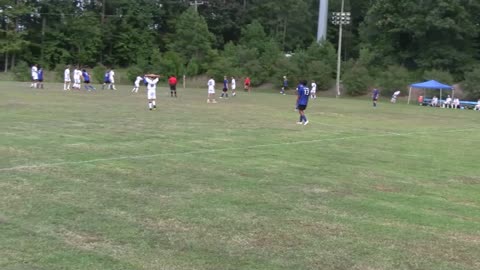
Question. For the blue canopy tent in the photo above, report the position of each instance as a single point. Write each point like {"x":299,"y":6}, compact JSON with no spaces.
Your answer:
{"x":430,"y":85}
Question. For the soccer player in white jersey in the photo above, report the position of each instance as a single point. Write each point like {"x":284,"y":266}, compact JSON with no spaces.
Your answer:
{"x":313,"y":90}
{"x":211,"y":91}
{"x":152,"y":81}
{"x":66,"y":78}
{"x":112,"y":80}
{"x":136,"y":84}
{"x":34,"y":76}
{"x":77,"y":78}
{"x":233,"y":85}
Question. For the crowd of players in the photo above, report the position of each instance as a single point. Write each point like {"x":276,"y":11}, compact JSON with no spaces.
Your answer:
{"x":304,"y":92}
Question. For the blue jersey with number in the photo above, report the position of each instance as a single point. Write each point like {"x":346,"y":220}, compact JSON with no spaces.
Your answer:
{"x":40,"y":74}
{"x":303,"y":95}
{"x":225,"y":84}
{"x":285,"y":83}
{"x":106,"y":78}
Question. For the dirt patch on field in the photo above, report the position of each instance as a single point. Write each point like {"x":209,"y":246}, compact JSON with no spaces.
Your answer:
{"x":469,"y":180}
{"x":3,"y":220}
{"x":165,"y":225}
{"x":384,"y":188}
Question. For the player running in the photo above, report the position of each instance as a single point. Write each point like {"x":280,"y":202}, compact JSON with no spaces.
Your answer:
{"x":112,"y":79}
{"x":225,"y":88}
{"x":106,"y":80}
{"x":246,"y":84}
{"x":136,"y":84}
{"x":86,"y":80}
{"x":303,"y":95}
{"x":40,"y":78}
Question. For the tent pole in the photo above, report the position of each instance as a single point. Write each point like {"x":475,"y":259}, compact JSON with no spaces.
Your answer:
{"x":409,"y":93}
{"x":441,"y":95}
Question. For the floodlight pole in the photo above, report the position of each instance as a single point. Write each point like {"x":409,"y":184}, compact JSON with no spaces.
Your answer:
{"x":339,"y":52}
{"x":322,"y":21}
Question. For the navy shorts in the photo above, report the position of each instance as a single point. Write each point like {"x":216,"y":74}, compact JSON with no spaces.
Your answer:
{"x":301,"y":107}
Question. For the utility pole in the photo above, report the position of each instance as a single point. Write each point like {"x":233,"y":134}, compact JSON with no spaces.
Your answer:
{"x":322,"y":20}
{"x":197,"y":3}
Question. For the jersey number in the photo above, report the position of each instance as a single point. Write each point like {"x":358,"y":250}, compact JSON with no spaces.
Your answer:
{"x":306,"y":91}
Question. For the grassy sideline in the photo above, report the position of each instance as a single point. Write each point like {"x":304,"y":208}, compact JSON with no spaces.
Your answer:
{"x":96,"y":181}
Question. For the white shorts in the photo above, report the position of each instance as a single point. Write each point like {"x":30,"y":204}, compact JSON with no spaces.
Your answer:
{"x":152,"y":94}
{"x":234,"y":87}
{"x":34,"y":76}
{"x":76,"y":80}
{"x":137,"y":85}
{"x":67,"y":79}
{"x":313,"y":91}
{"x":112,"y":80}
{"x":211,"y":90}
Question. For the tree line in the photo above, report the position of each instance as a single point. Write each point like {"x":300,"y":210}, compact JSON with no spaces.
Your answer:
{"x":389,"y":42}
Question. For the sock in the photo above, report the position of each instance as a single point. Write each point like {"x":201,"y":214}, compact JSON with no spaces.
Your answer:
{"x":150,"y":105}
{"x":301,"y":118}
{"x":154,"y":104}
{"x":64,"y":86}
{"x":175,"y":93}
{"x":305,"y":118}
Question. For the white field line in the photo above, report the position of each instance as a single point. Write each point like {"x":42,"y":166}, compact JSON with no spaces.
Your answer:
{"x":206,"y":151}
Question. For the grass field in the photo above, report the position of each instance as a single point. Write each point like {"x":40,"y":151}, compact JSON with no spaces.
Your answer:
{"x":96,"y":181}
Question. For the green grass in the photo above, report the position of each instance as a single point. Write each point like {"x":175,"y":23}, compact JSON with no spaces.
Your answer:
{"x":96,"y":181}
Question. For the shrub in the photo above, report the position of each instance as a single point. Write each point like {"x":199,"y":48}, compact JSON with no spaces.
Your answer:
{"x":471,"y":85}
{"x":356,"y":80}
{"x":22,"y":72}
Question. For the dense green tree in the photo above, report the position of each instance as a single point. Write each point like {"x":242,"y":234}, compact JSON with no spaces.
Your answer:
{"x":427,"y":34}
{"x":472,"y":83}
{"x":193,"y":41}
{"x":12,"y":33}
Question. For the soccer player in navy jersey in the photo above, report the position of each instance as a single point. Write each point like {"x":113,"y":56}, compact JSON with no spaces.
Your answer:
{"x":40,"y":78}
{"x":106,"y":79}
{"x":86,"y":80}
{"x":303,"y":95}
{"x":375,"y":94}
{"x":285,"y":85}
{"x":225,"y":88}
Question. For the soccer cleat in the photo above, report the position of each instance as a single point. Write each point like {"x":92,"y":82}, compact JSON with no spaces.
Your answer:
{"x":214,"y":101}
{"x":306,"y":122}
{"x":208,"y":100}
{"x":299,"y":123}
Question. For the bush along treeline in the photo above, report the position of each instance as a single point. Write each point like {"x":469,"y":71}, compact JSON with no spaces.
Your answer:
{"x":389,"y":43}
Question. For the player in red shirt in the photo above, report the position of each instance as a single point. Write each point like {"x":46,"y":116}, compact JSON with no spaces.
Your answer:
{"x":246,"y":84}
{"x":172,"y":81}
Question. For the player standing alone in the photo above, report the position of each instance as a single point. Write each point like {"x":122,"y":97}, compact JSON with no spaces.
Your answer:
{"x":34,"y":76}
{"x":375,"y":95}
{"x":285,"y":85}
{"x":172,"y":81}
{"x":303,"y":95}
{"x":225,"y":88}
{"x":233,"y":85}
{"x":211,"y":91}
{"x":66,"y":78}
{"x":152,"y":81}
{"x":246,"y":84}
{"x":313,"y":91}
